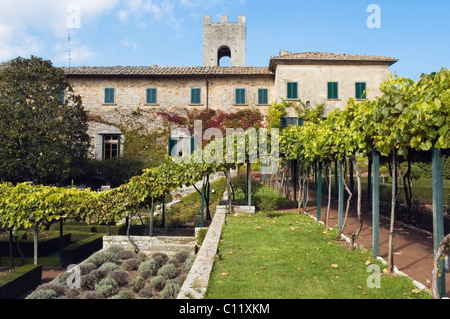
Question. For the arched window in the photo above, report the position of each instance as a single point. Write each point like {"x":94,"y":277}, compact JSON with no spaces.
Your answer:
{"x":224,"y":56}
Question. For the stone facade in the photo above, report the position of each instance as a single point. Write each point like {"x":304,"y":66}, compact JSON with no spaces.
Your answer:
{"x":220,"y":88}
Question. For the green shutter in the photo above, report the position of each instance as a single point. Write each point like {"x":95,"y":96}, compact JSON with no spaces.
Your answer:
{"x":283,"y":122}
{"x":240,"y":96}
{"x":361,"y":90}
{"x":172,"y":143}
{"x":299,"y":121}
{"x":195,"y":96}
{"x":193,"y":144}
{"x":292,"y":90}
{"x":263,"y":98}
{"x":151,"y":96}
{"x":333,"y":91}
{"x":109,"y":95}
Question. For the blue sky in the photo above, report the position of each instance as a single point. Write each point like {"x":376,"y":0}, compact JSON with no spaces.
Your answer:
{"x":169,"y":32}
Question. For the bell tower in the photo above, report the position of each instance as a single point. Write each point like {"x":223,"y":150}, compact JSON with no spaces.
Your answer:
{"x":224,"y":39}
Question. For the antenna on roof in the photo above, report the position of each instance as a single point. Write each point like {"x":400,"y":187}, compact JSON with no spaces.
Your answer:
{"x":70,"y":50}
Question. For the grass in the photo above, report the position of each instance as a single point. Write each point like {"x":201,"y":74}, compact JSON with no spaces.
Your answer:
{"x":264,"y":191}
{"x":290,"y":257}
{"x":187,"y":212}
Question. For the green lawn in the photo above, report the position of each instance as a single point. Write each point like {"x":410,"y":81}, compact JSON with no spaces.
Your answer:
{"x":290,"y":257}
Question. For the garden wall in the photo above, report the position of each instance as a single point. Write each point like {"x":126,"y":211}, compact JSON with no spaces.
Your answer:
{"x":146,"y":244}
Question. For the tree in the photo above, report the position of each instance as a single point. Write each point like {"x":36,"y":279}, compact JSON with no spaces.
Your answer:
{"x":42,"y":123}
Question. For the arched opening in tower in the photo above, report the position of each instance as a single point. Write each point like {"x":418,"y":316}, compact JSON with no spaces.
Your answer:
{"x":224,"y":56}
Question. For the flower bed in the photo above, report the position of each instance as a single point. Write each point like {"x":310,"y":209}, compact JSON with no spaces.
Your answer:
{"x":117,"y":273}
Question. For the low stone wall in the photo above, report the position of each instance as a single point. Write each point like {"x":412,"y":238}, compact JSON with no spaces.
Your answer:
{"x":196,"y":282}
{"x":146,"y":244}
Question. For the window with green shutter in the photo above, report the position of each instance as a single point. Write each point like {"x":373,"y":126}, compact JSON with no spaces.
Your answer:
{"x":196,"y":96}
{"x":109,"y":95}
{"x":361,"y":90}
{"x":240,"y":96}
{"x":263,"y":96}
{"x":151,"y":96}
{"x":292,"y":90}
{"x":333,"y":91}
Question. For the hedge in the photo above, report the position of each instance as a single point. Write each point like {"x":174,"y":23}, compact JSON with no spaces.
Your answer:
{"x":19,"y":281}
{"x":46,"y":245}
{"x":82,"y":249}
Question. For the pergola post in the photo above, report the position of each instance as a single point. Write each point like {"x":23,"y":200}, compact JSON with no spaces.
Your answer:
{"x":438,"y":213}
{"x":375,"y":202}
{"x":319,"y":191}
{"x":341,"y":197}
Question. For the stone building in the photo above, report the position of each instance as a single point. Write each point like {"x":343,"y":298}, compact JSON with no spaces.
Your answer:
{"x":113,"y":94}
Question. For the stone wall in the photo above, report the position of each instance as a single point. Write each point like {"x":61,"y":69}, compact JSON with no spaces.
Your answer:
{"x":146,"y":244}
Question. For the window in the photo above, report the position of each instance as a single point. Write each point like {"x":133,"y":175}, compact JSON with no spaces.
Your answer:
{"x":240,"y":96}
{"x":333,"y":91}
{"x":361,"y":90}
{"x":291,"y":121}
{"x":181,"y":145}
{"x":196,"y":96}
{"x":109,"y":95}
{"x":151,"y":96}
{"x":111,"y":146}
{"x":292,"y":90}
{"x":263,"y":96}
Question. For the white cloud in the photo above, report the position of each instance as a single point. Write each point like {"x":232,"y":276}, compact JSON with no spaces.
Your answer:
{"x":78,"y":55}
{"x":24,"y":22}
{"x":144,"y":12}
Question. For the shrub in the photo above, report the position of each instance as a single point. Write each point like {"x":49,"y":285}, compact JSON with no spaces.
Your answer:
{"x":86,"y":268}
{"x":173,"y":261}
{"x":171,"y":289}
{"x":150,"y":264}
{"x":43,"y":294}
{"x":181,"y":278}
{"x":109,"y":266}
{"x":122,"y":277}
{"x":88,"y":282}
{"x":268,"y":204}
{"x":61,"y":279}
{"x":124,"y":294}
{"x":146,"y":292}
{"x":99,"y":273}
{"x":164,"y":257}
{"x":141,"y":256}
{"x":182,"y":255}
{"x":188,"y":264}
{"x":93,"y":295}
{"x":101,"y":257}
{"x":114,"y":249}
{"x":107,"y":287}
{"x":137,"y":283}
{"x":57,"y":288}
{"x":72,"y":293}
{"x":240,"y":182}
{"x":125,"y":254}
{"x":131,"y":264}
{"x":168,"y":271}
{"x":146,"y":274}
{"x":158,"y":282}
